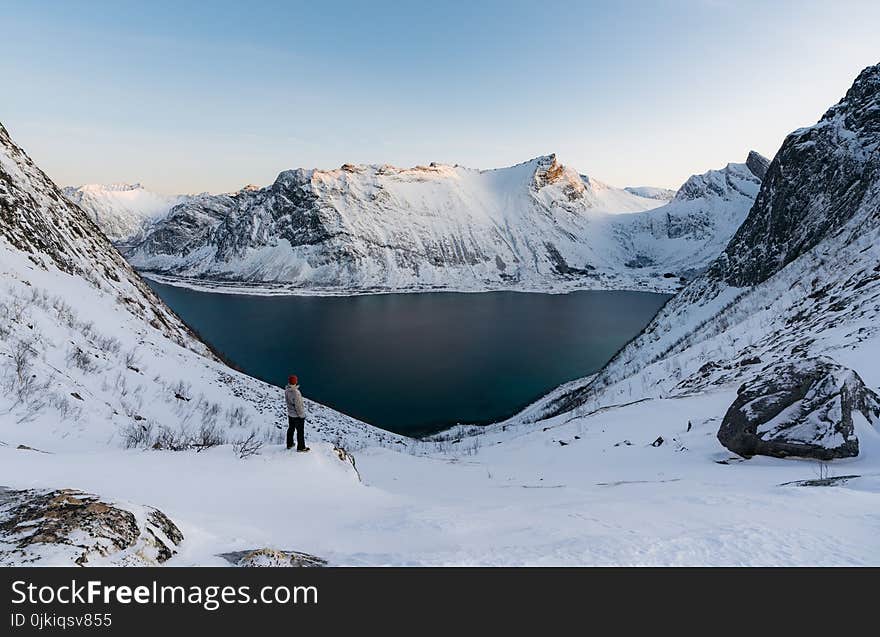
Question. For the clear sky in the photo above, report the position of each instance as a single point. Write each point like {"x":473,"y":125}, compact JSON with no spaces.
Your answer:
{"x":212,"y":95}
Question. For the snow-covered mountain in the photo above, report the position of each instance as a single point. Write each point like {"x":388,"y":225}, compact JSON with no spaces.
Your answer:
{"x":798,"y":284}
{"x":686,"y":234}
{"x":122,"y":211}
{"x":623,"y":468}
{"x":536,"y":226}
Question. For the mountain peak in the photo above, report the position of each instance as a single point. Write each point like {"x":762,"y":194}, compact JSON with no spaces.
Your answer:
{"x":757,"y":163}
{"x":725,"y":182}
{"x":548,"y":171}
{"x":860,"y":102}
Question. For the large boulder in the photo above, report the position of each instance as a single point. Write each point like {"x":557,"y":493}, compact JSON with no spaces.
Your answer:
{"x":803,"y":408}
{"x":65,"y":526}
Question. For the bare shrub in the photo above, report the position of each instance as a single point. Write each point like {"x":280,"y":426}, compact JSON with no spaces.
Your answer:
{"x":248,"y":447}
{"x":21,"y":383}
{"x":137,"y":435}
{"x":237,"y":417}
{"x":22,"y":355}
{"x":210,"y":413}
{"x":65,"y":313}
{"x":141,"y":433}
{"x":130,"y":409}
{"x":5,"y":327}
{"x":473,"y":448}
{"x":182,"y":391}
{"x":66,"y":410}
{"x":131,"y":360}
{"x":119,"y":385}
{"x":171,"y":440}
{"x":108,"y":344}
{"x":81,"y":360}
{"x":207,"y":436}
{"x":87,"y":329}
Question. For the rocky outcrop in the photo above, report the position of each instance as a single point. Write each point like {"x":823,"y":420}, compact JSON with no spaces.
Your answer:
{"x":190,"y":226}
{"x":758,"y":164}
{"x":266,"y":557}
{"x":804,"y":408}
{"x":71,"y":527}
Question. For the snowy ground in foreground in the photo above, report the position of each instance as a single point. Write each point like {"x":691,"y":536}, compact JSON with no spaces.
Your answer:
{"x":520,"y":498}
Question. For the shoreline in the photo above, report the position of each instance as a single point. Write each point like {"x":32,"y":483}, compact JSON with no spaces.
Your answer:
{"x":280,"y":289}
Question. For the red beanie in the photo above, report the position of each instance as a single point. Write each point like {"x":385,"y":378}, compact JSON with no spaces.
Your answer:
{"x":292,"y":379}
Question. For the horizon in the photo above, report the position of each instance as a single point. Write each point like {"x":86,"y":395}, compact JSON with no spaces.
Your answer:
{"x":183,"y":101}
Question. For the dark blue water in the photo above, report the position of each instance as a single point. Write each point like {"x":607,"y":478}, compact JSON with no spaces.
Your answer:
{"x":416,"y":363}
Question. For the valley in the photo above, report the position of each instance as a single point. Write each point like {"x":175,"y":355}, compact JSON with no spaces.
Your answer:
{"x":739,"y":427}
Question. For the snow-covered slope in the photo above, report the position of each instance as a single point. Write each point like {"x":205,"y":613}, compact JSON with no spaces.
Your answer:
{"x":645,"y":482}
{"x":800,"y":278}
{"x":89,"y":355}
{"x":536,"y":226}
{"x":122,"y":211}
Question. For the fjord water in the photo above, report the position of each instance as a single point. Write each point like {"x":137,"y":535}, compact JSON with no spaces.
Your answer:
{"x":417,"y":363}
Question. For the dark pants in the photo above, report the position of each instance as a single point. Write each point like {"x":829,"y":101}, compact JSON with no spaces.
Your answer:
{"x":300,"y":425}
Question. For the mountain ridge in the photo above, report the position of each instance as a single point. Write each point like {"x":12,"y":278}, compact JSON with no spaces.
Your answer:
{"x":537,"y":225}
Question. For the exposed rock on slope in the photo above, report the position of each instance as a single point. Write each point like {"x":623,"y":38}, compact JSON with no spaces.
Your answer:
{"x":758,"y":164}
{"x":804,"y":408}
{"x":272,"y":558}
{"x":71,"y":527}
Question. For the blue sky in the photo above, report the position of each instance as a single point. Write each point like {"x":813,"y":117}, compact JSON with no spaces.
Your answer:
{"x":187,"y":96}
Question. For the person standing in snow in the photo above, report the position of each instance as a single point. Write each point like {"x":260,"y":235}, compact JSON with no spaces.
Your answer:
{"x":296,"y":414}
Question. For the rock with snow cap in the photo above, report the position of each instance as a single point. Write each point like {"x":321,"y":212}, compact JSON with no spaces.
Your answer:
{"x":66,"y":526}
{"x":804,"y":408}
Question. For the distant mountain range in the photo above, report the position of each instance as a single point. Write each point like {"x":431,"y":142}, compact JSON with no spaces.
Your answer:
{"x":122,"y":211}
{"x":539,"y":225}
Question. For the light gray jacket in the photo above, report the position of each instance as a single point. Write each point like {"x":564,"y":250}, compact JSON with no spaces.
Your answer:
{"x":294,"y":399}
